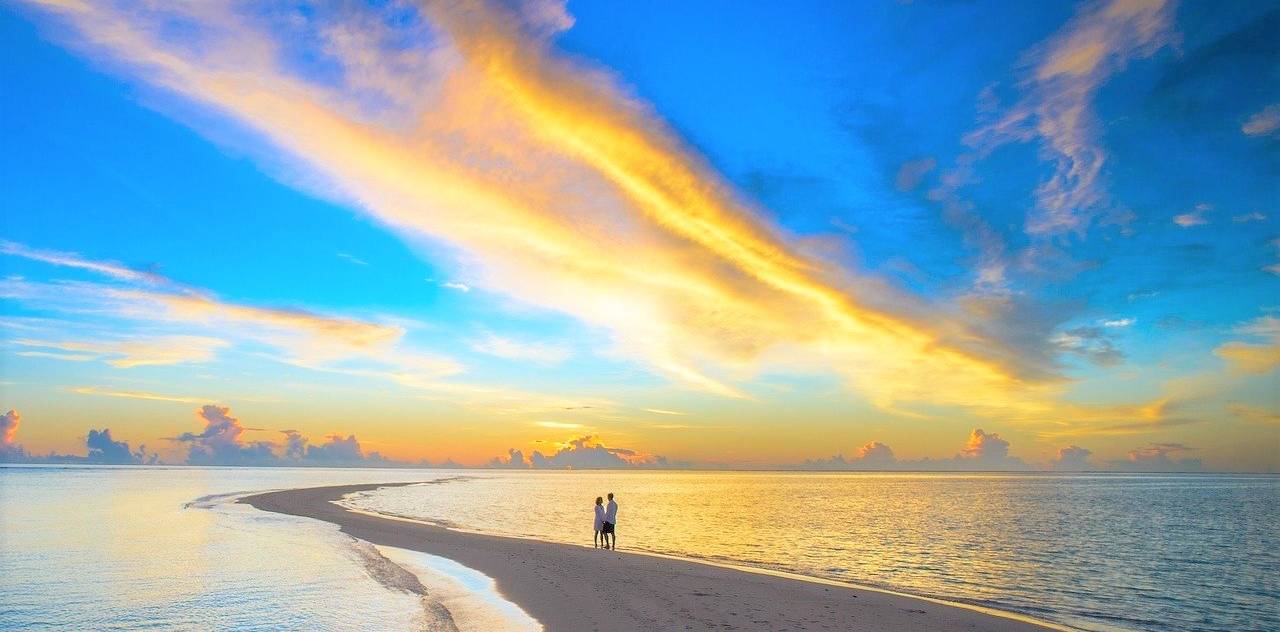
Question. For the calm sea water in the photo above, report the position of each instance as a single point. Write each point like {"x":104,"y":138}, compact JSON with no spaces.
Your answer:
{"x":1098,"y":552}
{"x":88,"y":548}
{"x":124,"y":548}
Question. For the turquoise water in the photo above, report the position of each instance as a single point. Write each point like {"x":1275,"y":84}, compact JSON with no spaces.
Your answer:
{"x":1098,"y":552}
{"x":131,"y":548}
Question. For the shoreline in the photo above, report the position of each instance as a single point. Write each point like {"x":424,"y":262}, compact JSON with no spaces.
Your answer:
{"x":744,"y":568}
{"x":572,"y":587}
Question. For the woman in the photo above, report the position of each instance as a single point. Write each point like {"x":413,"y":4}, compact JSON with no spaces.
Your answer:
{"x":599,"y":539}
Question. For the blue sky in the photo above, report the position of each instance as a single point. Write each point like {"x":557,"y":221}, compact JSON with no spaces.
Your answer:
{"x":1082,"y":196}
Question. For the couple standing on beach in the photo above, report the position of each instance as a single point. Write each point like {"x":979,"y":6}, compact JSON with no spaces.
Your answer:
{"x":606,"y":523}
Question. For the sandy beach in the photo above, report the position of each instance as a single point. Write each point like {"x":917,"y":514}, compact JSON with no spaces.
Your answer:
{"x":568,"y":587}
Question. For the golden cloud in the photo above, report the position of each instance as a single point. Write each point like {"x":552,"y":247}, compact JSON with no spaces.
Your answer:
{"x":128,"y":353}
{"x":1254,"y":357}
{"x":556,"y":188}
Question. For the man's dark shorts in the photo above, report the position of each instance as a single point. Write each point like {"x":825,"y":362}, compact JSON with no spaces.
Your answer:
{"x":608,"y":528}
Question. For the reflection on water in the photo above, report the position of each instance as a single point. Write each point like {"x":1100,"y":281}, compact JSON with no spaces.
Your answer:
{"x":1154,"y":552}
{"x":94,"y":548}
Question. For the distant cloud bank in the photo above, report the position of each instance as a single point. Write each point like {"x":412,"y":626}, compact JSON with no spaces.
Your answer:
{"x":1159,"y":457}
{"x":984,"y":451}
{"x":222,"y":442}
{"x":988,"y":452}
{"x":585,"y":453}
{"x":101,"y":448}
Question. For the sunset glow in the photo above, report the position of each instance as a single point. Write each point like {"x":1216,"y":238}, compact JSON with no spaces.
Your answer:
{"x":513,"y":235}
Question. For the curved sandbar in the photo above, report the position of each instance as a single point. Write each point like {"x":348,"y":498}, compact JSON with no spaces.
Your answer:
{"x":570,"y":587}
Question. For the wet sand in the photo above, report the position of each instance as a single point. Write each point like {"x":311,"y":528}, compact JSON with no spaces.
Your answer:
{"x":568,"y":587}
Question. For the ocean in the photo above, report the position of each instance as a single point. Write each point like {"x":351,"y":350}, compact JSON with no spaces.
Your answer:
{"x":125,"y":548}
{"x":167,"y":548}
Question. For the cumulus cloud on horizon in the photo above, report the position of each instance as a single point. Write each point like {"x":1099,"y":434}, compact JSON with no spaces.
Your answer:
{"x":101,"y":447}
{"x":987,"y":451}
{"x":1073,"y":458}
{"x":104,"y":449}
{"x":221,"y":443}
{"x":9,"y":423}
{"x":983,"y":451}
{"x":1159,"y":457}
{"x":872,"y":456}
{"x":336,"y":449}
{"x":584,"y":453}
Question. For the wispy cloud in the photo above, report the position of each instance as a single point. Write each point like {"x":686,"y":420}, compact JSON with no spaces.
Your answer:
{"x":454,"y":285}
{"x":353,"y":259}
{"x":559,"y":425}
{"x":65,"y":357}
{"x":1273,"y":268}
{"x":660,"y":411}
{"x":133,"y":352}
{"x":510,"y":349}
{"x":1259,"y":356}
{"x":1263,"y":122}
{"x":1195,"y":217}
{"x":166,"y":299}
{"x":913,"y":171}
{"x":1056,"y":106}
{"x":507,"y":400}
{"x":1092,"y":343}
{"x":210,"y":324}
{"x":158,"y":397}
{"x":1249,"y":217}
{"x":73,"y":260}
{"x":1256,"y":414}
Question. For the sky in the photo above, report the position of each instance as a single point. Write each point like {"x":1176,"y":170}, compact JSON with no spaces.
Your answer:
{"x":884,"y":235}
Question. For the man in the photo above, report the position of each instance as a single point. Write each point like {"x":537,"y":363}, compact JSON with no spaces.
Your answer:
{"x":610,"y":524}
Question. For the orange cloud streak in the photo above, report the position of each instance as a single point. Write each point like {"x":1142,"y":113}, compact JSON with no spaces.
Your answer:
{"x":557,"y":189}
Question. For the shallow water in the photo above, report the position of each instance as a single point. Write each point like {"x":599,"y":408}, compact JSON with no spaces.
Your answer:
{"x":1099,"y":552}
{"x":89,"y":548}
{"x":471,"y":597}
